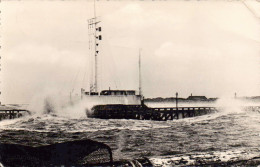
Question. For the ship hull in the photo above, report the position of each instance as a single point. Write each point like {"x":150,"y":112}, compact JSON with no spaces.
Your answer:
{"x":116,"y":111}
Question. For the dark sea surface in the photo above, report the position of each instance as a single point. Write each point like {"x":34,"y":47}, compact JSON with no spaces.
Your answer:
{"x":228,"y":135}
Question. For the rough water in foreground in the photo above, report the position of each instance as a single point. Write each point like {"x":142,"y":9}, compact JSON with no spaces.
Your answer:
{"x":225,"y":136}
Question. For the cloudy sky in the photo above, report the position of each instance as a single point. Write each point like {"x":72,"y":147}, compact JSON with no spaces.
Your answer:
{"x":207,"y":48}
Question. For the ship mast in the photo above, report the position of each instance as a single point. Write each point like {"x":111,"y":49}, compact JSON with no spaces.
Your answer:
{"x":94,"y":37}
{"x":140,"y":79}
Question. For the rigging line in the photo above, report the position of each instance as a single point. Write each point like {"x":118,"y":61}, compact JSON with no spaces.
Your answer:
{"x":113,"y":66}
{"x":116,"y":80}
{"x":120,"y":46}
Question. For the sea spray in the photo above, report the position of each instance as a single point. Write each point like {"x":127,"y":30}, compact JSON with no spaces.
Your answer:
{"x":230,"y":105}
{"x":76,"y":109}
{"x":48,"y":106}
{"x":47,"y":102}
{"x":234,"y":105}
{"x":225,"y":106}
{"x":61,"y":105}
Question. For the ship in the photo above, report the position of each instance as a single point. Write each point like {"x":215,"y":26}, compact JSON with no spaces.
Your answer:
{"x":124,"y":104}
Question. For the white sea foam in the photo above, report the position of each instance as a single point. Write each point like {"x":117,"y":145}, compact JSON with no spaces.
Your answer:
{"x":52,"y":123}
{"x":197,"y":158}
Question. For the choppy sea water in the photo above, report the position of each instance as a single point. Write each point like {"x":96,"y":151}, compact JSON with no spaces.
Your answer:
{"x":230,"y":135}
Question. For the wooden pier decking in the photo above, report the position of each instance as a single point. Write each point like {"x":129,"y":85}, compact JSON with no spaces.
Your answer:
{"x":12,"y":113}
{"x":146,"y":113}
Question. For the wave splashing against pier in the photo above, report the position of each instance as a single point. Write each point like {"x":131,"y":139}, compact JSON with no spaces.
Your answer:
{"x":60,"y":105}
{"x":229,"y":135}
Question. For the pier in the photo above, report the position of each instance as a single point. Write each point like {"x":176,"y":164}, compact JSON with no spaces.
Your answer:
{"x":146,"y":113}
{"x":12,"y":113}
{"x":142,"y":112}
